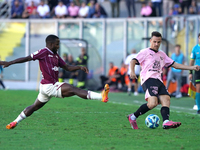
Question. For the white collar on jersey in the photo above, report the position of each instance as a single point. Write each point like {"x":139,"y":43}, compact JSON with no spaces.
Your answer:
{"x":49,"y":50}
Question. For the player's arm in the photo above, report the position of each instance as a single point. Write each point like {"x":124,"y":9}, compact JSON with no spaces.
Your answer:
{"x":74,"y":68}
{"x":16,"y":61}
{"x":132,"y":67}
{"x":185,"y":67}
{"x":191,"y":64}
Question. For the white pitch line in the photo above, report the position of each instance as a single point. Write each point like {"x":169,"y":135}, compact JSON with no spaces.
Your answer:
{"x":139,"y":102}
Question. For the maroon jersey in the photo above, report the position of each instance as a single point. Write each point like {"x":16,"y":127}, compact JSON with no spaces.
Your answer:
{"x":49,"y":65}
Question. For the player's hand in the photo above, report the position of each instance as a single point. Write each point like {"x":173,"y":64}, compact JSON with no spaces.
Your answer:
{"x":84,"y":69}
{"x":5,"y":64}
{"x":196,"y":68}
{"x":133,"y":75}
{"x":190,"y":77}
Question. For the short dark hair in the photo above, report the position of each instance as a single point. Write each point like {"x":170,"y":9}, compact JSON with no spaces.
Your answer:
{"x":178,"y":45}
{"x":51,"y":38}
{"x":156,"y":33}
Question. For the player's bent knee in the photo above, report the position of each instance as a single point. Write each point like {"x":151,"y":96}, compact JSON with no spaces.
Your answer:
{"x":152,"y":105}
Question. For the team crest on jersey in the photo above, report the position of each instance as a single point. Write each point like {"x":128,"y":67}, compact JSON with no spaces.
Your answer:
{"x":161,"y":58}
{"x":55,"y":68}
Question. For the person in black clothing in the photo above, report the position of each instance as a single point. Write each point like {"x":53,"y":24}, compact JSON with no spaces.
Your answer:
{"x":99,"y":11}
{"x":153,"y":14}
{"x":63,"y":74}
{"x":1,"y":76}
{"x":130,"y":4}
{"x":52,"y":4}
{"x":66,"y":2}
{"x":82,"y":61}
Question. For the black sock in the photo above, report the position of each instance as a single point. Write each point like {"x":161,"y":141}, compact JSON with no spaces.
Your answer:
{"x":142,"y":110}
{"x":165,"y":113}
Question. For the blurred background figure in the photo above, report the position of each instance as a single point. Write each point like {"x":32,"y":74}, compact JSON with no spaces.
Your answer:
{"x":62,"y":71}
{"x":157,"y":4}
{"x":194,"y":6}
{"x":185,"y":4}
{"x":91,"y":9}
{"x":1,"y":76}
{"x":137,"y":72}
{"x":73,"y":10}
{"x":29,"y":2}
{"x":30,"y":11}
{"x":130,"y":4}
{"x":67,"y":76}
{"x":112,"y":77}
{"x":115,"y":8}
{"x":17,"y":10}
{"x":99,"y":11}
{"x":83,"y":11}
{"x":176,"y":74}
{"x":153,"y":13}
{"x":146,"y":10}
{"x":123,"y":74}
{"x":82,"y":60}
{"x":167,"y":5}
{"x":61,"y":10}
{"x":43,"y":10}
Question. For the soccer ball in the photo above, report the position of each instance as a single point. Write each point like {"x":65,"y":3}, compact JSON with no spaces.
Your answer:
{"x":152,"y":121}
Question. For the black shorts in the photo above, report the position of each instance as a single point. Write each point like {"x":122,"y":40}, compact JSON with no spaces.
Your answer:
{"x":197,"y":76}
{"x":154,"y":87}
{"x":131,"y":80}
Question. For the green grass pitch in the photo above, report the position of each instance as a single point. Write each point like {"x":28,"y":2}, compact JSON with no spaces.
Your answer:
{"x":77,"y":124}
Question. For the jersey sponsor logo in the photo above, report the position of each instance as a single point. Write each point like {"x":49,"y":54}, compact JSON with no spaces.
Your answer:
{"x":50,"y":55}
{"x":55,"y":68}
{"x":156,"y":66}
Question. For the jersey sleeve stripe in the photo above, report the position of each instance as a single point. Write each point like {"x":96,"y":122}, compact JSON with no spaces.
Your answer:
{"x":137,"y":63}
{"x":171,"y":64}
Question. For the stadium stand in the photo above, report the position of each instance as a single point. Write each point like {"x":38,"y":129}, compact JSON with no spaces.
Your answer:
{"x":11,"y":36}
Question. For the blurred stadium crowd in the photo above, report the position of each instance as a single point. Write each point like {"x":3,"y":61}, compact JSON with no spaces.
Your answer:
{"x":95,"y":9}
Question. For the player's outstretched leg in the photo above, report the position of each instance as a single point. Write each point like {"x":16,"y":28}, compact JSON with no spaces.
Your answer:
{"x":104,"y":93}
{"x":13,"y":124}
{"x":69,"y":90}
{"x":132,"y":120}
{"x":170,"y":124}
{"x":25,"y":113}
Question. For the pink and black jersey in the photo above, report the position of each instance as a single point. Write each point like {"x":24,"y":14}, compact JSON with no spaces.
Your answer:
{"x":152,"y":63}
{"x":49,"y":65}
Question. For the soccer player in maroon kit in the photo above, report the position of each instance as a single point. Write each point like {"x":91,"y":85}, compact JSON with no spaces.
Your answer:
{"x":49,"y":62}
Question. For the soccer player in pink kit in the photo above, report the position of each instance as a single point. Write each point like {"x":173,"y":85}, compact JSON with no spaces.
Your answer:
{"x":49,"y":62}
{"x":152,"y":60}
